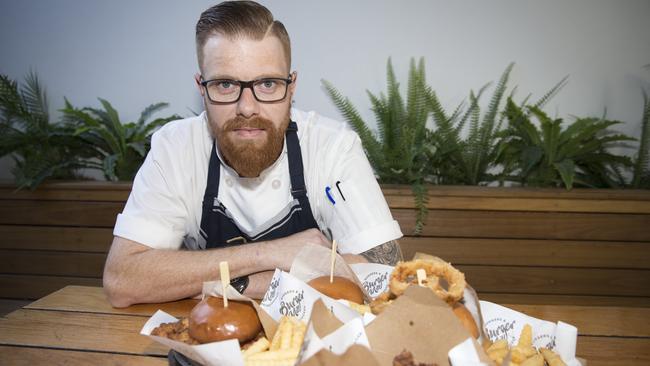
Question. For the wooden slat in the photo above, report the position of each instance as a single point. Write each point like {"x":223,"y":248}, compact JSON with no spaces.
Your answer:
{"x":528,"y":225}
{"x":70,"y":191}
{"x":35,"y":287}
{"x":601,"y":351}
{"x":78,"y":331}
{"x":594,"y":320}
{"x":93,"y":300}
{"x":524,"y":252}
{"x":61,"y":213}
{"x":519,"y":192}
{"x":38,"y":262}
{"x":524,"y":204}
{"x":83,"y":239}
{"x":509,"y":298}
{"x":560,"y":281}
{"x":30,"y":356}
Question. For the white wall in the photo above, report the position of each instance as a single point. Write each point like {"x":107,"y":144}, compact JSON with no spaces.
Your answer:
{"x":134,"y":53}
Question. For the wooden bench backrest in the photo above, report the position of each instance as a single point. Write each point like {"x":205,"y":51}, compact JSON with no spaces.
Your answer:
{"x":515,"y":245}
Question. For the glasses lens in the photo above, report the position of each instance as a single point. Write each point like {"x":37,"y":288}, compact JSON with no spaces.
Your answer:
{"x":223,"y":91}
{"x":270,"y":90}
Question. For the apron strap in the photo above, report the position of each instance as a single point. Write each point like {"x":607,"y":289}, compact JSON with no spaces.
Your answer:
{"x":298,"y":189}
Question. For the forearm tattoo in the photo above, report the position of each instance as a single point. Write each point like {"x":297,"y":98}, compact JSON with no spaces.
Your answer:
{"x":387,"y":253}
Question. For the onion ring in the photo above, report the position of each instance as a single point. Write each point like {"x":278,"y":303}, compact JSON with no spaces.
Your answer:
{"x":405,"y":272}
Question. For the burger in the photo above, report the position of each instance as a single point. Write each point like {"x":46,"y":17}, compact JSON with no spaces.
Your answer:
{"x":466,"y":319}
{"x":210,"y":321}
{"x":339,"y":288}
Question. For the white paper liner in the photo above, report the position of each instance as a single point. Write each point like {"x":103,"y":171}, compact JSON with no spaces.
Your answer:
{"x":337,"y":342}
{"x":501,"y":322}
{"x":210,"y":354}
{"x":287,"y":295}
{"x":464,"y":354}
{"x":374,"y":277}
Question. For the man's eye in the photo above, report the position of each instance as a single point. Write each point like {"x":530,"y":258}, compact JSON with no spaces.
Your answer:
{"x":225,"y":84}
{"x":268,"y":84}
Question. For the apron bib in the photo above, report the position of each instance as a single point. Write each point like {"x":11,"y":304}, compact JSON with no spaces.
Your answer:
{"x":219,"y":229}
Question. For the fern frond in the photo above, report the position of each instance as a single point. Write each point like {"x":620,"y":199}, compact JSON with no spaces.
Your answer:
{"x":551,"y":93}
{"x":642,"y":164}
{"x":349,"y":112}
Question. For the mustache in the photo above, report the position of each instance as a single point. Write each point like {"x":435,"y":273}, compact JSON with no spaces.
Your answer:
{"x":241,"y":122}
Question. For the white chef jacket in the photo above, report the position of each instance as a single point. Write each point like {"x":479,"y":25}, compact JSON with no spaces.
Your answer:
{"x":164,"y":207}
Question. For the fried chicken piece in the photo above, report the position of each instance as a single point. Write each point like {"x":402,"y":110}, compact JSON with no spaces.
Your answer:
{"x":406,"y":359}
{"x":177,"y":331}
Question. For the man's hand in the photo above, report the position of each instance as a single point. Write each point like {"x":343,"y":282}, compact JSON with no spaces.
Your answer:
{"x":287,"y":248}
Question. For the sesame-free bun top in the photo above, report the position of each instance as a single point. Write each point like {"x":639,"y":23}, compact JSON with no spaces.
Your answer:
{"x":340,"y":288}
{"x":210,"y":321}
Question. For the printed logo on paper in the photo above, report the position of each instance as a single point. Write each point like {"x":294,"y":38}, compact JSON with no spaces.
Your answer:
{"x":272,"y":293}
{"x":292,"y":304}
{"x":501,"y":328}
{"x":375,"y":283}
{"x":544,"y":340}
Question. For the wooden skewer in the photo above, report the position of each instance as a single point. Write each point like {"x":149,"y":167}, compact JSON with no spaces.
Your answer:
{"x":422,"y":275}
{"x":332,"y":261}
{"x":225,"y":281}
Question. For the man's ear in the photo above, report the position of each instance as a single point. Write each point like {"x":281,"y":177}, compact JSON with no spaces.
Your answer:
{"x":294,"y":80}
{"x":197,"y":79}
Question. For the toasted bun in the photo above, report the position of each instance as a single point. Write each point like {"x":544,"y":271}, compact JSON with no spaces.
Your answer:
{"x":466,"y":318}
{"x":211,"y":322}
{"x":341,"y":288}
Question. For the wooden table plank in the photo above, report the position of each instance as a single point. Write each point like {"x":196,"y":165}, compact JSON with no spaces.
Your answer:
{"x":78,"y":331}
{"x":594,"y":320}
{"x":92,"y":300}
{"x":28,"y":356}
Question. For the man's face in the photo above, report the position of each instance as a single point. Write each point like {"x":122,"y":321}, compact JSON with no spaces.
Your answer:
{"x":250,"y":134}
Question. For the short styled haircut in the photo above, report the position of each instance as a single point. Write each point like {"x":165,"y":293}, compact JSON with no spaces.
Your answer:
{"x":240,"y":19}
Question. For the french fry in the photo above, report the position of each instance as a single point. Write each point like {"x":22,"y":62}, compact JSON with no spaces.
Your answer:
{"x":260,"y":345}
{"x":536,"y":360}
{"x":361,"y":309}
{"x":526,"y":336}
{"x":284,"y":347}
{"x":552,"y":358}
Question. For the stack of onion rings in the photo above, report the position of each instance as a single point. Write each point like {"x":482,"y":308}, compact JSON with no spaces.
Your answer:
{"x":404,"y":275}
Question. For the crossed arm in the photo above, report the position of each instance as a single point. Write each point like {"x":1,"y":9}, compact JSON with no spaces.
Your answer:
{"x":135,"y":273}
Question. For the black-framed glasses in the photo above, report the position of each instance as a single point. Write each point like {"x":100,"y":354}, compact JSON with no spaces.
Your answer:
{"x":265,"y":90}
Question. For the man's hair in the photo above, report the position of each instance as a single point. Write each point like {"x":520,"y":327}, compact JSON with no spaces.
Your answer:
{"x":240,"y":19}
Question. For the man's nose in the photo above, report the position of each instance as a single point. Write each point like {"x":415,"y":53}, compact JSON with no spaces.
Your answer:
{"x":247,"y":105}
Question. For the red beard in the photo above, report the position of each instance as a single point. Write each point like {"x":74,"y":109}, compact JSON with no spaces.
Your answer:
{"x":250,"y":158}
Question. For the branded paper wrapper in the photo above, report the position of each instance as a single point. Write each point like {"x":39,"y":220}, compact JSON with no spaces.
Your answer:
{"x":501,"y":322}
{"x":421,"y":323}
{"x":314,"y":261}
{"x":374,"y":277}
{"x":215,"y":353}
{"x":328,"y":341}
{"x":287,"y":295}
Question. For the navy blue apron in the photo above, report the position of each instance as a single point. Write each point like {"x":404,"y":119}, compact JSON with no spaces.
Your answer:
{"x":217,"y":225}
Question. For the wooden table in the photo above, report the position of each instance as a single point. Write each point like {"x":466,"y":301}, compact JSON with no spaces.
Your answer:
{"x":77,"y":326}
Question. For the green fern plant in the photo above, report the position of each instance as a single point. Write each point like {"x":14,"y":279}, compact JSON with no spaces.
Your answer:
{"x":40,"y":148}
{"x":549,"y":155}
{"x":458,"y":160}
{"x":641,"y":174}
{"x":455,"y":159}
{"x":396,"y":149}
{"x":118,"y":148}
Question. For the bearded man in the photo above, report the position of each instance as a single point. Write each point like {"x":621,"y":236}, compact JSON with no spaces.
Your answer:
{"x":250,"y":181}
